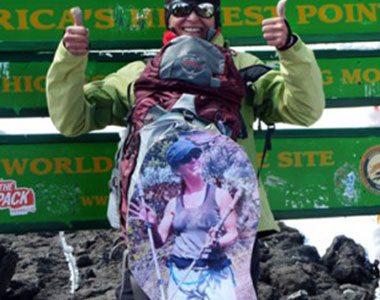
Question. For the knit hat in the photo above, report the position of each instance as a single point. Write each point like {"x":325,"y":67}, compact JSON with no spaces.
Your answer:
{"x":216,"y":3}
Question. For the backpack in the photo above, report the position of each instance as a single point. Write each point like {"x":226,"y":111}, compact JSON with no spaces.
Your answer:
{"x":185,"y":65}
{"x":190,"y":91}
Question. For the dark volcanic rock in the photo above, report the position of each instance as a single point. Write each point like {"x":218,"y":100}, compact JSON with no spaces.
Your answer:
{"x":22,"y":290}
{"x":267,"y":292}
{"x":84,"y":261}
{"x":290,"y":269}
{"x":354,"y":291}
{"x":300,"y":295}
{"x":347,"y":262}
{"x":8,"y":262}
{"x":42,"y":270}
{"x":289,"y":279}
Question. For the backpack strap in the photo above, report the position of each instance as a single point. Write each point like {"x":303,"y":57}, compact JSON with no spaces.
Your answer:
{"x":253,"y":73}
{"x":267,"y":145}
{"x":186,"y":105}
{"x":250,"y":75}
{"x":244,"y":132}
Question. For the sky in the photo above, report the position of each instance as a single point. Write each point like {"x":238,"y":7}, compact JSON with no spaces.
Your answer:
{"x":364,"y":230}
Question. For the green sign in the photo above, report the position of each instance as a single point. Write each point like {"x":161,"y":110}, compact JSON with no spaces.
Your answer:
{"x":348,"y":81}
{"x":58,"y":183}
{"x":351,"y":81}
{"x":38,"y":25}
{"x":63,"y":183}
{"x":22,"y":85}
{"x":314,"y":173}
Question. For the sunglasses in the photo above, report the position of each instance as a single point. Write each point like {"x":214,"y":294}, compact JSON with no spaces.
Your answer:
{"x":182,"y":9}
{"x":188,"y":158}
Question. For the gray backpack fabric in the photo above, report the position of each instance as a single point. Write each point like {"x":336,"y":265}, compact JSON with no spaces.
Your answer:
{"x":192,"y":60}
{"x":182,"y":116}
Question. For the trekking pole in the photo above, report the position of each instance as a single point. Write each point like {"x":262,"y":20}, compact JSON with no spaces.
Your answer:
{"x":149,"y":226}
{"x":217,"y":228}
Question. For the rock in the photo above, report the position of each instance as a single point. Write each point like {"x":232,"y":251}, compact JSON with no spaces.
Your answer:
{"x":8,"y":262}
{"x":22,"y":290}
{"x":347,"y":262}
{"x":46,"y":234}
{"x":331,"y":294}
{"x":290,"y":269}
{"x":287,"y":266}
{"x":90,"y":273}
{"x":355,"y":292}
{"x":84,"y":261}
{"x":96,"y":292}
{"x":265,"y":291}
{"x":290,"y":279}
{"x":323,"y":280}
{"x":300,"y":295}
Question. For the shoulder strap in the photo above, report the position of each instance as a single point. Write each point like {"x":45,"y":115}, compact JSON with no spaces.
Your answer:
{"x":253,"y":73}
{"x":250,"y":75}
{"x":267,"y":146}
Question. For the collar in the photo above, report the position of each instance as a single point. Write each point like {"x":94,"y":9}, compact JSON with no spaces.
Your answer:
{"x":218,"y":38}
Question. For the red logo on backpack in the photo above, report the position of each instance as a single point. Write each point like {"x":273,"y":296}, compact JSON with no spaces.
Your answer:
{"x":192,"y":65}
{"x":19,"y":201}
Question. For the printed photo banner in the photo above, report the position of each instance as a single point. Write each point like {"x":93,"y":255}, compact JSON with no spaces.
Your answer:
{"x":38,"y":25}
{"x":193,"y":218}
{"x":63,"y":183}
{"x":348,"y":80}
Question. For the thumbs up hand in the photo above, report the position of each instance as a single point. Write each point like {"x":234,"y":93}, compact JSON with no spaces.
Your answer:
{"x":276,"y":31}
{"x":75,"y":38}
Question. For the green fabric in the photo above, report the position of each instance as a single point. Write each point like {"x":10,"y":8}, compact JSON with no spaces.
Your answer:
{"x":294,"y":94}
{"x":75,"y":109}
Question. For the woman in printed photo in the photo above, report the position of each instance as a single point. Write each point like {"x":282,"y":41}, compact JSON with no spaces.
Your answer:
{"x":204,"y":222}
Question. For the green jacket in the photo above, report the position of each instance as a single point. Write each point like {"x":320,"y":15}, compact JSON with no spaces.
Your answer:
{"x":292,"y":95}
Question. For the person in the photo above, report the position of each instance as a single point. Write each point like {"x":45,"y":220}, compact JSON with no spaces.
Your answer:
{"x":193,"y":217}
{"x":294,"y":94}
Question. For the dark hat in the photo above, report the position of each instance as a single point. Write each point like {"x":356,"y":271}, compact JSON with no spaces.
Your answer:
{"x":215,"y":2}
{"x":179,"y":150}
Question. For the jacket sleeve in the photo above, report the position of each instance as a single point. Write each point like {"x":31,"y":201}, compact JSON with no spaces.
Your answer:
{"x":294,"y":94}
{"x":75,"y":107}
